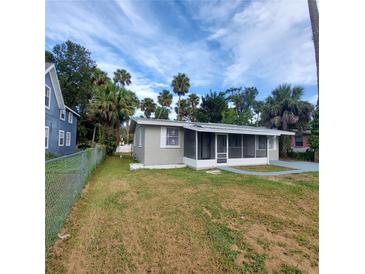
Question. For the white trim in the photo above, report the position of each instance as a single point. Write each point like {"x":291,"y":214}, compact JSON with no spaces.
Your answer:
{"x":50,"y":95}
{"x":68,"y":140}
{"x":68,"y":118}
{"x":163,"y":138}
{"x":64,"y":116}
{"x":135,"y":166}
{"x":59,"y":138}
{"x":248,"y":161}
{"x":216,"y":154}
{"x":47,"y":136}
{"x":71,"y":110}
{"x":56,"y":86}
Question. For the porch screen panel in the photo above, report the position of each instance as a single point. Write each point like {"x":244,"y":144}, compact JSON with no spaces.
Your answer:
{"x":248,"y":146}
{"x":206,"y":146}
{"x":261,"y":149}
{"x":234,"y":146}
{"x":189,"y":144}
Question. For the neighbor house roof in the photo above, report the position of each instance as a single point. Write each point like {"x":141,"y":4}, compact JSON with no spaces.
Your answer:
{"x":51,"y":69}
{"x":210,"y":127}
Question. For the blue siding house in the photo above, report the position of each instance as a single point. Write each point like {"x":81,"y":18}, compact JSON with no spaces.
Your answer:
{"x":61,"y":121}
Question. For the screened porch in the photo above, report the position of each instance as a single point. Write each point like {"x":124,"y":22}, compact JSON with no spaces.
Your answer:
{"x":206,"y":149}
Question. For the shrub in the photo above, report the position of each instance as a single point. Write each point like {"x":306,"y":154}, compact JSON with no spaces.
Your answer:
{"x":303,"y":156}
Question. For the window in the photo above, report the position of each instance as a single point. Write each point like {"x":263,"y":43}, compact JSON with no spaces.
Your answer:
{"x":272,"y":143}
{"x":47,"y":137}
{"x":61,"y":138}
{"x":140,"y":137}
{"x":68,"y":139}
{"x":70,"y":117}
{"x":172,"y":136}
{"x":262,"y":142}
{"x":62,"y":114}
{"x":234,"y":146}
{"x":298,"y":140}
{"x":48,"y":97}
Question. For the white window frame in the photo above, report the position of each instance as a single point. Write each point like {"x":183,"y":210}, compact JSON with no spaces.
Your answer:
{"x":47,"y":136}
{"x":140,"y":137}
{"x":64,"y":116}
{"x":68,"y":138}
{"x":61,"y":132}
{"x":49,"y":96}
{"x":163,"y":139}
{"x":70,"y":115}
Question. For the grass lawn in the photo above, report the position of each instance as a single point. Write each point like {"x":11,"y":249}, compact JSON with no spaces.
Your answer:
{"x":263,"y":168}
{"x":184,"y":221}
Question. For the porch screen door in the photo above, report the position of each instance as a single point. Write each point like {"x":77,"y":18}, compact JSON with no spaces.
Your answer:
{"x":221,"y":149}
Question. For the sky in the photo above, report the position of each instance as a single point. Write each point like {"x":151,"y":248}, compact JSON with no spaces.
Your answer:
{"x":217,"y":44}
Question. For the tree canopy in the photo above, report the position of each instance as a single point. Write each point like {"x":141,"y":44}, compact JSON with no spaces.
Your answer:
{"x":180,"y":85}
{"x":212,"y":107}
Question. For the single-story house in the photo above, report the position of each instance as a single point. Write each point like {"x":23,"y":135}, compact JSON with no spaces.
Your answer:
{"x":300,"y":141}
{"x":160,"y":142}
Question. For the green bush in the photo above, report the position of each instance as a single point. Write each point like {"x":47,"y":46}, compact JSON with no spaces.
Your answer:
{"x":50,"y":156}
{"x":303,"y":156}
{"x":110,"y":142}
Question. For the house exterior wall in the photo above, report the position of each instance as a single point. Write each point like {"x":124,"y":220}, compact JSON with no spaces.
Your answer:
{"x":155,"y":155}
{"x":138,"y":151}
{"x":302,"y":148}
{"x":53,"y":121}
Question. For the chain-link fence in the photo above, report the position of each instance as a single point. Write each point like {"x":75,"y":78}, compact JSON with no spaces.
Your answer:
{"x":65,"y":178}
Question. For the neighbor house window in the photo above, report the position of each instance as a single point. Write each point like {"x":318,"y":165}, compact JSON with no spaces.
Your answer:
{"x":47,"y":137}
{"x":298,"y":140}
{"x":262,"y":142}
{"x":62,"y":114}
{"x":48,"y":97}
{"x":272,"y":142}
{"x":68,"y":139}
{"x":61,"y":138}
{"x":70,"y":117}
{"x":172,"y":136}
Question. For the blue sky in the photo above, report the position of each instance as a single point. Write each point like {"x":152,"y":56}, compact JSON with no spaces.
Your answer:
{"x":218,"y":44}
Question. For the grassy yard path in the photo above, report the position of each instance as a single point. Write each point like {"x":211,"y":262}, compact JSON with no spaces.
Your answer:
{"x":186,"y":221}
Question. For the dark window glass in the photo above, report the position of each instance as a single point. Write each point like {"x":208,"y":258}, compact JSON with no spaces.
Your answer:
{"x":298,"y":140}
{"x":248,"y":146}
{"x":172,"y":136}
{"x":262,"y":142}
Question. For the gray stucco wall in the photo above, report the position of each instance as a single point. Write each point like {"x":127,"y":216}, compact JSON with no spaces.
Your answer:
{"x":274,"y":154}
{"x":138,"y":151}
{"x":155,"y":155}
{"x":53,"y":121}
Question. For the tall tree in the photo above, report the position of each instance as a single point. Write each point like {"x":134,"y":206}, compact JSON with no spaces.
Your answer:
{"x":122,"y":77}
{"x":212,"y":107}
{"x":49,"y":57}
{"x":193,"y":101}
{"x":285,"y":110}
{"x":163,"y":113}
{"x":148,"y":106}
{"x":314,"y":17}
{"x":257,"y":108}
{"x":165,"y":100}
{"x":99,"y":77}
{"x":180,"y":85}
{"x":114,"y":105}
{"x":314,"y":131}
{"x":75,"y":69}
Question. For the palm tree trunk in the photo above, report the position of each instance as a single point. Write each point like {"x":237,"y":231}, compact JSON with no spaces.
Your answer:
{"x":178,"y":112}
{"x":94,"y":134}
{"x":314,"y":17}
{"x":159,"y":114}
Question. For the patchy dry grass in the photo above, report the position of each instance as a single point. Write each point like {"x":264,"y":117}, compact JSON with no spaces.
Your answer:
{"x":186,"y":221}
{"x":264,"y":168}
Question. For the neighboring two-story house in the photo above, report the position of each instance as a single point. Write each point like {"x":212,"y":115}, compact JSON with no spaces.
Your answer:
{"x":61,"y":121}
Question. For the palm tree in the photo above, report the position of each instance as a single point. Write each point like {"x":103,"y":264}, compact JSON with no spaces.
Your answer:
{"x":183,"y":108}
{"x":193,"y":100}
{"x":148,"y":106}
{"x":314,"y":17}
{"x":180,"y":85}
{"x":285,"y":110}
{"x":122,"y":77}
{"x":165,"y":100}
{"x":99,"y":77}
{"x":114,"y":105}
